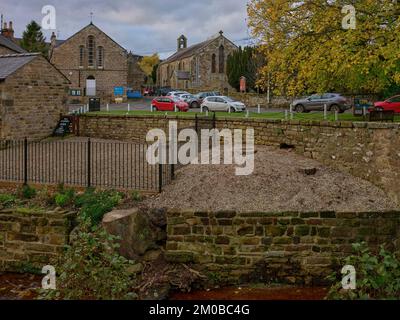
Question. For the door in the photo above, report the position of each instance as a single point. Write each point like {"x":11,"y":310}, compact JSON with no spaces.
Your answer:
{"x":220,"y":104}
{"x":91,"y":87}
{"x":315,"y":102}
{"x":393,"y":104}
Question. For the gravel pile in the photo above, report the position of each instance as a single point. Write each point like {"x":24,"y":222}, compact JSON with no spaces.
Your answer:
{"x":282,"y":181}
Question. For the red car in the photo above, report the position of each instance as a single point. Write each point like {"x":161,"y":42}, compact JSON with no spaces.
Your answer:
{"x":168,"y":104}
{"x":391,"y":104}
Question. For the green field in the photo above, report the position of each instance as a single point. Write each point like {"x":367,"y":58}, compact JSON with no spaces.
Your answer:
{"x":267,"y":115}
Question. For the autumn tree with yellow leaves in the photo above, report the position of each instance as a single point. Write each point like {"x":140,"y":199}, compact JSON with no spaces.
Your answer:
{"x":309,"y":49}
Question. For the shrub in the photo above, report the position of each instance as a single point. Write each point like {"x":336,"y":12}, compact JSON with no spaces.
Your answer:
{"x":94,"y":205}
{"x":65,"y":197}
{"x":136,"y":196}
{"x":26,"y":192}
{"x":7,"y":200}
{"x":378,"y":275}
{"x":91,"y":269}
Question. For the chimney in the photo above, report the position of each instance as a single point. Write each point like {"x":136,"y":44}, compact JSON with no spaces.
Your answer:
{"x":8,"y":32}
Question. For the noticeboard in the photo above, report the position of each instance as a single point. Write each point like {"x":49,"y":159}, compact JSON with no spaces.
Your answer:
{"x":118,"y":91}
{"x":63,"y":127}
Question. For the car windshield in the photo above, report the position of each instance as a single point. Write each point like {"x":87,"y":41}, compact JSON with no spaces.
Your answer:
{"x":176,"y":99}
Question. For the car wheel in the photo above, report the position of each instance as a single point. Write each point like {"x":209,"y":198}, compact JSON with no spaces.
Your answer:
{"x":335,"y":108}
{"x":232,"y":109}
{"x":300,"y":108}
{"x":195,"y":105}
{"x":205,"y":109}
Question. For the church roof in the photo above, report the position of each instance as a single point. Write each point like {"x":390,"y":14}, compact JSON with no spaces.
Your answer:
{"x":10,"y":63}
{"x":190,"y":51}
{"x":5,"y":42}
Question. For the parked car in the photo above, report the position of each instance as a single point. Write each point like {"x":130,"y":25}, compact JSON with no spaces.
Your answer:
{"x":176,"y":93}
{"x":222,"y":103}
{"x":191,"y":100}
{"x":169,"y":103}
{"x":316,"y":102}
{"x":148,"y":92}
{"x":391,"y":104}
{"x":202,"y":95}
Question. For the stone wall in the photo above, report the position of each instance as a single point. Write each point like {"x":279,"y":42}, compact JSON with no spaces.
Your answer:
{"x":366,"y":150}
{"x":32,"y":237}
{"x":32,"y":100}
{"x":300,"y":248}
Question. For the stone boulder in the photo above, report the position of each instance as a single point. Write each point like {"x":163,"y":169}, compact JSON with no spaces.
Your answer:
{"x":136,"y":231}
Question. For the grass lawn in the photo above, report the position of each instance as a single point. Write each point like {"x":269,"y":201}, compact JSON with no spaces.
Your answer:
{"x":252,"y":115}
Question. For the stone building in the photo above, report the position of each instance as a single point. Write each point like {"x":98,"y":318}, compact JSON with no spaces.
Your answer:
{"x":95,"y":64}
{"x":7,"y":43}
{"x":201,"y":66}
{"x":33,"y":94}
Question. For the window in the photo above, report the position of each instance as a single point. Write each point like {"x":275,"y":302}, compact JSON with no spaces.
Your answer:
{"x":90,"y":46}
{"x":221,"y":59}
{"x":394,"y":99}
{"x":81,"y":56}
{"x":214,"y":63}
{"x":100,"y":57}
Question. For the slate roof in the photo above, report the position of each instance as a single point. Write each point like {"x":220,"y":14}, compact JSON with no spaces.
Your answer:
{"x":5,"y":42}
{"x":10,"y":63}
{"x":188,"y":52}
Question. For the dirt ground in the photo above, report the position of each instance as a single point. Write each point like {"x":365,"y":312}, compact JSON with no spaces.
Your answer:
{"x":278,"y":183}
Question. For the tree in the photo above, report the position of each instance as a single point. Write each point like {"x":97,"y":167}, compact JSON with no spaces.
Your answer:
{"x":147,"y":64}
{"x":309,"y":50}
{"x":154,"y":73}
{"x":244,"y":62}
{"x":33,"y":39}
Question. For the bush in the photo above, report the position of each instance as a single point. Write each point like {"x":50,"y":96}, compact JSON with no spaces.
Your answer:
{"x":94,"y":205}
{"x":65,"y":197}
{"x":378,"y":276}
{"x":26,"y":192}
{"x":136,"y":196}
{"x":91,"y":269}
{"x":7,"y":200}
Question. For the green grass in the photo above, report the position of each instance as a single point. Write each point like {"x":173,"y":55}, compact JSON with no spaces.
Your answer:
{"x":252,"y":115}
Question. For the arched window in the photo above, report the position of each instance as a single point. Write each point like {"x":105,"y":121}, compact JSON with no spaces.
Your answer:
{"x":91,"y":46}
{"x":81,"y":56}
{"x":100,"y":57}
{"x":221,"y":59}
{"x":213,"y":63}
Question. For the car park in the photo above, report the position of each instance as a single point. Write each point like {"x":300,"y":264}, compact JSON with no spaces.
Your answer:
{"x":317,"y":102}
{"x":391,"y":104}
{"x":222,"y":103}
{"x":191,"y":100}
{"x":168,"y":104}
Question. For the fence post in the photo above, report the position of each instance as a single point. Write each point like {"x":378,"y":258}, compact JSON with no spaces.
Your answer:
{"x":89,"y":160}
{"x":25,"y":161}
{"x":214,"y":121}
{"x":160,"y":178}
{"x":172,"y":171}
{"x":196,"y":123}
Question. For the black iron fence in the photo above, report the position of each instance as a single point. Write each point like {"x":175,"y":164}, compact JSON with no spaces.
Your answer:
{"x":83,"y":162}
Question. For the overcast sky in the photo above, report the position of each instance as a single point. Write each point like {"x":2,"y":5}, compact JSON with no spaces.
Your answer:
{"x":143,"y":26}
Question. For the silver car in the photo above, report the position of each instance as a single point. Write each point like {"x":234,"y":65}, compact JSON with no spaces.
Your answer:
{"x":222,"y":103}
{"x":190,"y":99}
{"x":316,"y":102}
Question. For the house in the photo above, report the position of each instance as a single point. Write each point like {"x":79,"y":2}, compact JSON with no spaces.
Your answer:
{"x":33,"y":95}
{"x":7,"y":45}
{"x":95,"y":64}
{"x":201,"y":66}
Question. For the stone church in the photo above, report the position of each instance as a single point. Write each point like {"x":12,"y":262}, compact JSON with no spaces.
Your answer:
{"x":95,"y":64}
{"x":201,"y":66}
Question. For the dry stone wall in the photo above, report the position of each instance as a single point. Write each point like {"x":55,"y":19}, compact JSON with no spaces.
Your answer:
{"x":300,"y":248}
